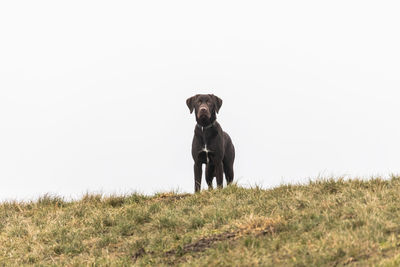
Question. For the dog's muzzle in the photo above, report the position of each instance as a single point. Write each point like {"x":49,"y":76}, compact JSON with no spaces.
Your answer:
{"x":203,"y":111}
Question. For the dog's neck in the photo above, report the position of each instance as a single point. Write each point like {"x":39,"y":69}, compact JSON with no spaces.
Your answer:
{"x":202,"y":128}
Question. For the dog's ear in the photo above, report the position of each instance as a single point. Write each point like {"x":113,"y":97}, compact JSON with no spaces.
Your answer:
{"x":217,"y":102}
{"x":190,"y":103}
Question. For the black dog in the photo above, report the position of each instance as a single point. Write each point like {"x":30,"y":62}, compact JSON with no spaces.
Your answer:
{"x":211,"y":145}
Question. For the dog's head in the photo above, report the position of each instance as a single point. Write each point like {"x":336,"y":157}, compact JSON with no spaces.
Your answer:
{"x":205,"y":107}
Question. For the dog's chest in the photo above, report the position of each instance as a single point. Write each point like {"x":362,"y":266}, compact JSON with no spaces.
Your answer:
{"x":205,"y":155}
{"x":207,"y":144}
{"x":206,"y":151}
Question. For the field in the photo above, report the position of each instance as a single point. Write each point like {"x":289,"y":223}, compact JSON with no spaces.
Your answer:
{"x":331,"y":222}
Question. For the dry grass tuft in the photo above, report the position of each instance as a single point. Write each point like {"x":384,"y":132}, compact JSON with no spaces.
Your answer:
{"x":258,"y":225}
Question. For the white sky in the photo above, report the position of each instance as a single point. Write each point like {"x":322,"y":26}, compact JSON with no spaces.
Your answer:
{"x":92,"y":93}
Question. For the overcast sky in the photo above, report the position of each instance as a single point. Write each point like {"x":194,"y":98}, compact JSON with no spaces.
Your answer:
{"x":92,"y":93}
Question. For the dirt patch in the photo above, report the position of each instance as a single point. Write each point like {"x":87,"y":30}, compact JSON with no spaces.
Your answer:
{"x":256,"y":226}
{"x":170,"y":197}
{"x":140,"y":253}
{"x":202,"y":244}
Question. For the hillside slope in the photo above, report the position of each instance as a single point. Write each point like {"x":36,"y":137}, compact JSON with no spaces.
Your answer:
{"x":323,"y":223}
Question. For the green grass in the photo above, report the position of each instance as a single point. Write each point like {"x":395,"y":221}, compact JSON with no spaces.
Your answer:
{"x":324,"y":223}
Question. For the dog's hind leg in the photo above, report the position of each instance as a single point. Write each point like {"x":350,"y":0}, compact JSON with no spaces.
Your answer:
{"x":228,"y":160}
{"x":228,"y":170}
{"x":219,"y":172}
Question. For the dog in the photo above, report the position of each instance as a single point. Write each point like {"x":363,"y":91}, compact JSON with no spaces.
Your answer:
{"x":211,"y":145}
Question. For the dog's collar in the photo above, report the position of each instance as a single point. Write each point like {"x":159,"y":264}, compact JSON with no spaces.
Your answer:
{"x":206,"y":127}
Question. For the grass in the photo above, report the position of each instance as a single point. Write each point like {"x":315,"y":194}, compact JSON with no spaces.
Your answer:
{"x":324,"y":223}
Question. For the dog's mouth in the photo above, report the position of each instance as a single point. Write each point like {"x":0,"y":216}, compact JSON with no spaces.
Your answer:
{"x":204,"y":119}
{"x":204,"y":115}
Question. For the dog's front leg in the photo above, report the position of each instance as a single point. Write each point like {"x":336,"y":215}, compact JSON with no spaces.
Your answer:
{"x":197,"y":177}
{"x":210,"y":175}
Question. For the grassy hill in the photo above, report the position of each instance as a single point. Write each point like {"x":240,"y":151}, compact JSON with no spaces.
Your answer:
{"x":323,"y":223}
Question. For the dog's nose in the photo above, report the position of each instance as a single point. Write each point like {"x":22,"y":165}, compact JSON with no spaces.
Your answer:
{"x":203,"y":109}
